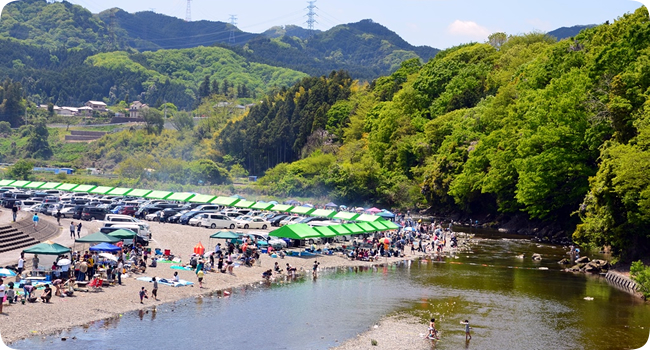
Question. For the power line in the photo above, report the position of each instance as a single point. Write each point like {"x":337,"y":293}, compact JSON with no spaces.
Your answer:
{"x":188,"y":11}
{"x":310,"y":17}
{"x":233,"y":24}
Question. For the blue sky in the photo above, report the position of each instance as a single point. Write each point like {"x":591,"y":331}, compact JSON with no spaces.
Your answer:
{"x":437,"y":23}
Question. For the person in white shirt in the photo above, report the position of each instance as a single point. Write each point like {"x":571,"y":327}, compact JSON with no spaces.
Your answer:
{"x":21,"y":263}
{"x":2,"y":293}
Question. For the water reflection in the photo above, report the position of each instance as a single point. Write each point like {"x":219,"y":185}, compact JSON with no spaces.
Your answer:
{"x":510,"y":303}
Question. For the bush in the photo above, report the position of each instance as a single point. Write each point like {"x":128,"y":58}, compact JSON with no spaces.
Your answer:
{"x":641,"y":275}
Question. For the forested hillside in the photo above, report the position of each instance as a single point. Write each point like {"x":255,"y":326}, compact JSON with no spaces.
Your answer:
{"x":365,"y":49}
{"x":556,"y":132}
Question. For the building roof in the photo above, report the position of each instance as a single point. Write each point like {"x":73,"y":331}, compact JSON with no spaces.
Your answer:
{"x":97,"y":103}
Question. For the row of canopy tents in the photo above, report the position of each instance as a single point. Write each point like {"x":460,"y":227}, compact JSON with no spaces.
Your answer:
{"x":304,"y":231}
{"x":234,"y":201}
{"x":105,"y":243}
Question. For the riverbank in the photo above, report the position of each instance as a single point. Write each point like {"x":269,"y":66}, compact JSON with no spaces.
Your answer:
{"x":38,"y":319}
{"x":400,"y":331}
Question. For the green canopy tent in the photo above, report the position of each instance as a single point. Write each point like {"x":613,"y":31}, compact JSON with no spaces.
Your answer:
{"x":282,"y":207}
{"x":295,"y":231}
{"x":123,"y":234}
{"x":83,"y":188}
{"x":325,"y":231}
{"x":389,"y":224}
{"x":368,"y":217}
{"x":340,"y":230}
{"x":34,"y":185}
{"x":47,"y":248}
{"x":225,"y":235}
{"x":367,"y":227}
{"x":323,"y":213}
{"x":6,"y":182}
{"x":262,"y":206}
{"x":67,"y":187}
{"x":119,"y":191}
{"x":101,"y":190}
{"x":226,"y":201}
{"x":50,"y":186}
{"x":158,"y":194}
{"x":244,"y":204}
{"x":181,"y":196}
{"x":97,"y":237}
{"x":346,"y":215}
{"x":20,"y":183}
{"x":139,"y":193}
{"x":379,"y":225}
{"x":202,"y":198}
{"x":354,"y":228}
{"x":302,"y":210}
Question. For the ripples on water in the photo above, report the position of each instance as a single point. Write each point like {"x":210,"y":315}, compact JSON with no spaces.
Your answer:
{"x":510,"y":303}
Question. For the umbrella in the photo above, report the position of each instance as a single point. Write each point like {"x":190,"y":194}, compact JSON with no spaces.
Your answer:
{"x":373,"y":210}
{"x":409,"y":229}
{"x":7,"y":273}
{"x":384,"y":240}
{"x":108,"y":256}
{"x":331,"y":205}
{"x":386,"y":214}
{"x":63,"y":262}
{"x":122,"y":234}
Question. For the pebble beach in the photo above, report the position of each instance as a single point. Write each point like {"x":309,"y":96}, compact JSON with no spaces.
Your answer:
{"x":39,"y":319}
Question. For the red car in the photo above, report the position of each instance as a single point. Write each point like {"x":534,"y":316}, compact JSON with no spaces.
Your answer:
{"x":128,"y":210}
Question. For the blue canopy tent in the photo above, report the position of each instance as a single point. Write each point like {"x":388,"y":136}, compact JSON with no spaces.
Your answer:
{"x":386,"y":214}
{"x":105,"y":247}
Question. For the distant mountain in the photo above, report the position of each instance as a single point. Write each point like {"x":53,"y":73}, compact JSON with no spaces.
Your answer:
{"x":365,"y":49}
{"x":568,"y":32}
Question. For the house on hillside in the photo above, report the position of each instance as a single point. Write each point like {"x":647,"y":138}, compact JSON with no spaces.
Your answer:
{"x":85,"y":111}
{"x":97,"y":105}
{"x":136,"y":109}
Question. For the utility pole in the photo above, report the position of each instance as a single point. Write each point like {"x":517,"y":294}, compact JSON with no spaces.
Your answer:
{"x":188,"y":11}
{"x":233,"y":25}
{"x":310,"y":17}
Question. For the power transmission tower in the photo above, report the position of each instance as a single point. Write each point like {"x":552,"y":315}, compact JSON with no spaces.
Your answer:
{"x":188,"y":12}
{"x":310,"y":17}
{"x":233,"y":24}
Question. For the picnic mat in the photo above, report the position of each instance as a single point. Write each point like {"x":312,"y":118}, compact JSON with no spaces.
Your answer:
{"x":167,"y":282}
{"x":178,"y":267}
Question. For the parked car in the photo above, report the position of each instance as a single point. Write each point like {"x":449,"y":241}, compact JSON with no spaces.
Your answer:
{"x":94,"y":213}
{"x":275,"y":221}
{"x":290,"y":220}
{"x":176,"y":217}
{"x":247,"y":222}
{"x":215,"y":220}
{"x":78,"y":209}
{"x":185,"y":218}
{"x":128,"y":210}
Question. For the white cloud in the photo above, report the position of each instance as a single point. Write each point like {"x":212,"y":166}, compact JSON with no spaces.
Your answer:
{"x":468,"y":29}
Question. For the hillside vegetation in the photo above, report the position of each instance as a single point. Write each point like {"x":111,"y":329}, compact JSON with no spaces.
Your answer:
{"x":557,"y":132}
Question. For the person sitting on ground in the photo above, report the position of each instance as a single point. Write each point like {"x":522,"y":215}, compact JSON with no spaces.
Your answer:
{"x":142,"y":266}
{"x":154,"y":262}
{"x":47,"y":294}
{"x":57,"y":284}
{"x":70,"y":286}
{"x":175,"y":278}
{"x":277,"y":268}
{"x":267,"y":274}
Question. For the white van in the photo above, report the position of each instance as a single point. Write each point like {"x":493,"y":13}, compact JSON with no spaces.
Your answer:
{"x":216,"y":220}
{"x":142,"y":230}
{"x":119,"y":218}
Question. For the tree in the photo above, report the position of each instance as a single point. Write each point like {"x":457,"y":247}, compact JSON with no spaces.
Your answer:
{"x":204,"y":88}
{"x":182,"y":121}
{"x":22,"y":170}
{"x":38,"y":145}
{"x":5,"y":128}
{"x":497,"y":39}
{"x":154,"y":121}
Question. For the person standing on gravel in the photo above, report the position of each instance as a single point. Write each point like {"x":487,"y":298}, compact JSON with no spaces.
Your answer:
{"x":58,"y":217}
{"x":120,"y":268}
{"x":21,"y":263}
{"x":35,"y":219}
{"x":14,"y":211}
{"x":72,"y":230}
{"x":79,"y":230}
{"x":154,"y":291}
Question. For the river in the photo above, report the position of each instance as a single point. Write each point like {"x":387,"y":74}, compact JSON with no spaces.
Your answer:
{"x":511,"y":303}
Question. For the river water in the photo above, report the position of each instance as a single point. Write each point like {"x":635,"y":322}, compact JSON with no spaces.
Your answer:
{"x":511,"y":303}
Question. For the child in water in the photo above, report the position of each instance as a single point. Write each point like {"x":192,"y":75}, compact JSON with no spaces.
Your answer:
{"x":433,"y":334}
{"x":467,"y":328}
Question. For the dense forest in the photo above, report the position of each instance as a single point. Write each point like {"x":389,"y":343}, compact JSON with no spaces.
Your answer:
{"x":521,"y":125}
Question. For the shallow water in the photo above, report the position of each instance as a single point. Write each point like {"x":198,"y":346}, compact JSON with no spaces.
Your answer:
{"x":510,"y":302}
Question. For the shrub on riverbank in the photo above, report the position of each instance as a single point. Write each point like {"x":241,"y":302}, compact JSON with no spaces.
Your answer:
{"x":641,"y":275}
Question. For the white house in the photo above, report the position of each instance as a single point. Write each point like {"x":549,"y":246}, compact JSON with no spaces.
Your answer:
{"x":96,"y":105}
{"x":135,"y":111}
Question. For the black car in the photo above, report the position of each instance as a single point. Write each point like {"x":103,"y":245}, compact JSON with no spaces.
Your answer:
{"x":94,"y":213}
{"x":275,"y":221}
{"x":166,"y":214}
{"x":76,"y":213}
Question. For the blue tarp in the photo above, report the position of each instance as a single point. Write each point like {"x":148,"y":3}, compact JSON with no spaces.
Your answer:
{"x":386,"y":214}
{"x":105,"y":247}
